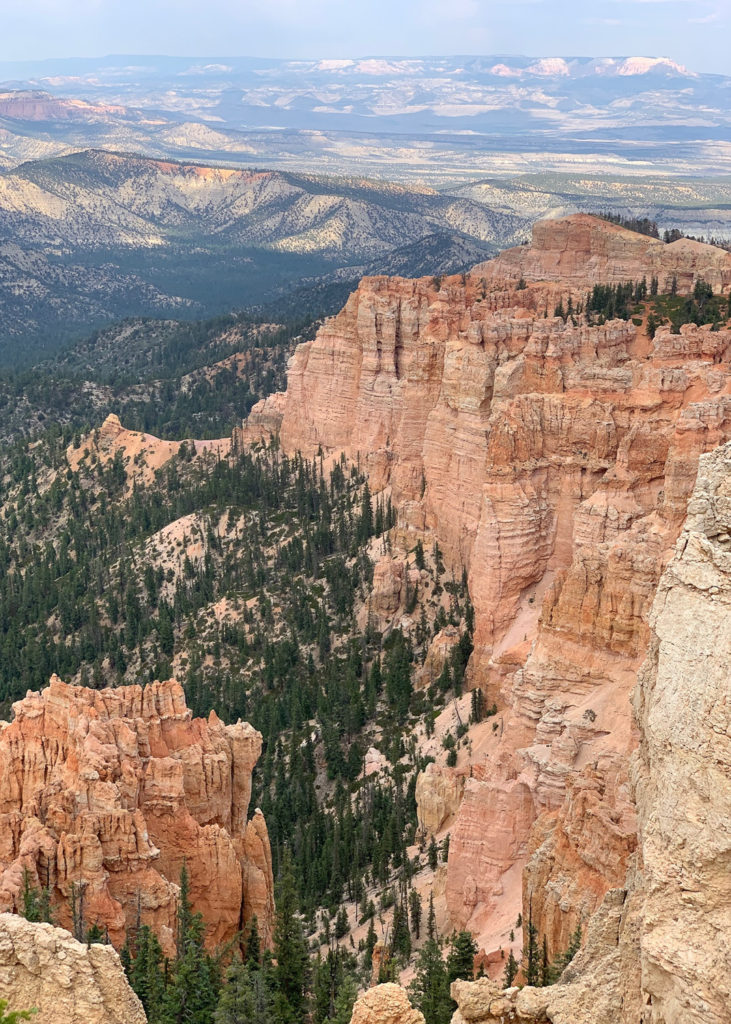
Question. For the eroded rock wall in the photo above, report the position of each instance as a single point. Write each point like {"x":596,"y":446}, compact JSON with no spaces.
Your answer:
{"x":553,"y":461}
{"x":113,"y":790}
{"x":657,"y":949}
{"x":574,"y":249}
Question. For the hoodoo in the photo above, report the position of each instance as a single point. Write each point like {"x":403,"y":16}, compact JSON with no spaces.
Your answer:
{"x":112,"y":791}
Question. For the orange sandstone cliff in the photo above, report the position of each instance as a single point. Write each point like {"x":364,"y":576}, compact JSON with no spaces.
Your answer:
{"x":553,"y":461}
{"x":657,"y":949}
{"x":114,"y":790}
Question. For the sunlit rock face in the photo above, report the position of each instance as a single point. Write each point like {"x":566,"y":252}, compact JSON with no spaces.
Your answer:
{"x":45,"y":968}
{"x":113,"y":791}
{"x":554,"y":462}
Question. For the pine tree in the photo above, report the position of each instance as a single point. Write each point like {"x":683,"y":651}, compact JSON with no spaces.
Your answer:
{"x":77,"y":903}
{"x":30,"y":897}
{"x":431,"y":924}
{"x":185,"y":911}
{"x":461,"y":958}
{"x":477,"y":711}
{"x":192,"y":995}
{"x":564,"y":959}
{"x":344,"y":1001}
{"x":145,"y":973}
{"x":532,"y":957}
{"x":371,"y":940}
{"x":342,"y":925}
{"x":545,"y":965}
{"x":290,"y":951}
{"x":415,"y":913}
{"x":253,"y":944}
{"x":245,"y":997}
{"x":511,"y":969}
{"x":433,"y":854}
{"x":400,"y":937}
{"x":429,"y":990}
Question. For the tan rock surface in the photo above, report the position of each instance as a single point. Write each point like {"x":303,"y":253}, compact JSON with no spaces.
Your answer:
{"x":114,"y":790}
{"x":66,"y":981}
{"x":576,"y":248}
{"x":263,"y":422}
{"x":385,"y":1004}
{"x":657,"y":951}
{"x":256,"y":857}
{"x":142,"y":454}
{"x":683,"y":768}
{"x":588,"y":992}
{"x":438,"y":796}
{"x":576,"y":852}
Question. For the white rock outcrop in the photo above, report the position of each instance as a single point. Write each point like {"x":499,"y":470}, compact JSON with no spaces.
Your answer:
{"x":45,"y":968}
{"x":683,"y":768}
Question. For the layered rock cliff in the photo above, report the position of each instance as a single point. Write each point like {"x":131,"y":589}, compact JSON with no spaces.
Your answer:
{"x":553,"y":460}
{"x":657,"y":950}
{"x":572,"y":251}
{"x":113,"y":791}
{"x":67,"y":982}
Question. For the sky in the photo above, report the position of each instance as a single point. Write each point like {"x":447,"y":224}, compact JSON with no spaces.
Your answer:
{"x":696,"y":33}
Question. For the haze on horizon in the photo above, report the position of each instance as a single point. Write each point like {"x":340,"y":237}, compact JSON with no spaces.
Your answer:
{"x":692,"y":32}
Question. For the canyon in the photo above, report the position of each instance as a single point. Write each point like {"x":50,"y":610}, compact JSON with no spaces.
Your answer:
{"x":574,"y":472}
{"x":553,"y":461}
{"x":113,"y":792}
{"x":656,"y":950}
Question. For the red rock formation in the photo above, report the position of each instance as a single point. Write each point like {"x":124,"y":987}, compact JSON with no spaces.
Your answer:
{"x":114,"y":790}
{"x":580,"y":248}
{"x":142,"y":454}
{"x":576,"y":854}
{"x":43,"y":106}
{"x":553,"y":461}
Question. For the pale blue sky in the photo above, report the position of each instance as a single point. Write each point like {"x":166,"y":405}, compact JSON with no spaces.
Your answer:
{"x":693,"y":32}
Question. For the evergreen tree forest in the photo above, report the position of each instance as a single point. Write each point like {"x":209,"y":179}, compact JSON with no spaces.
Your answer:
{"x":87,"y":591}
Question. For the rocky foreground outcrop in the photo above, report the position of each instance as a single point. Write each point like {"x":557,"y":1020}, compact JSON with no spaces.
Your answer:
{"x":67,"y":982}
{"x":554,"y":461}
{"x":682,"y":769}
{"x":112,"y":791}
{"x":385,"y":1004}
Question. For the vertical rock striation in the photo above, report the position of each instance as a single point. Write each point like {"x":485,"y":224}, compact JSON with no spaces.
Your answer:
{"x":114,"y":790}
{"x":682,"y":769}
{"x":554,"y":461}
{"x":657,"y":950}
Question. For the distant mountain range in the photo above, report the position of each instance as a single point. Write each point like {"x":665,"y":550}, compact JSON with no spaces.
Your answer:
{"x":94,"y":236}
{"x":90,"y":233}
{"x":395,"y":117}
